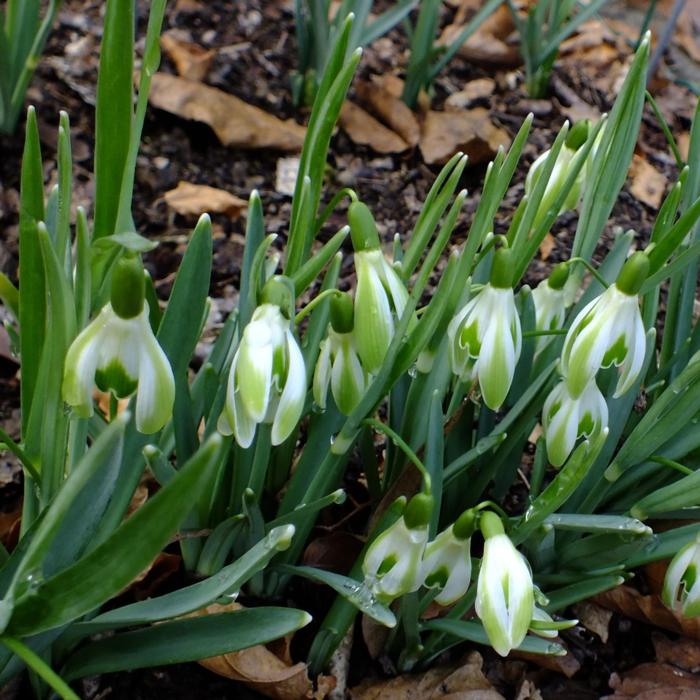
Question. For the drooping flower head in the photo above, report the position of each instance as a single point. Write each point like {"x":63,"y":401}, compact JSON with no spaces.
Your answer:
{"x":118,"y":352}
{"x":608,"y":330}
{"x":267,"y":379}
{"x":447,"y":563}
{"x":550,"y":304}
{"x":485,"y":338}
{"x":504,"y":596}
{"x":392,"y":564}
{"x":681,"y":589}
{"x":565,"y":419}
{"x":380,"y":295}
{"x":339,"y":365}
{"x":560,"y":172}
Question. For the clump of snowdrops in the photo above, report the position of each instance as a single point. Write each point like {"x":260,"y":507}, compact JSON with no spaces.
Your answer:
{"x":453,"y":380}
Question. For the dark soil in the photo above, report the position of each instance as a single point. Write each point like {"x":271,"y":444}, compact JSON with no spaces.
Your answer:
{"x":258,"y":53}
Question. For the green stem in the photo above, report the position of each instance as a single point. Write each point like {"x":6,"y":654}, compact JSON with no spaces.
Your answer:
{"x":664,"y":127}
{"x":398,"y":440}
{"x":591,"y":269}
{"x":330,"y":207}
{"x":535,"y":334}
{"x":21,"y":455}
{"x":314,"y":303}
{"x":113,"y":407}
{"x":40,"y":667}
{"x":671,"y":464}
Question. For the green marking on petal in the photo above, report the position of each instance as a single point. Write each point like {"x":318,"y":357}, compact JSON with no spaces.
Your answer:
{"x":438,"y":578}
{"x":115,"y":378}
{"x":616,"y":352}
{"x":469,"y":338}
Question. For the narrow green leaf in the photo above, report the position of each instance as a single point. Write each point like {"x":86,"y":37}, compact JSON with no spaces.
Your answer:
{"x":184,"y":640}
{"x":32,"y":300}
{"x":114,"y":112}
{"x":113,"y":564}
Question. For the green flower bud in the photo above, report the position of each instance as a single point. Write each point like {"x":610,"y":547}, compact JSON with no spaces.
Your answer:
{"x":128,"y":287}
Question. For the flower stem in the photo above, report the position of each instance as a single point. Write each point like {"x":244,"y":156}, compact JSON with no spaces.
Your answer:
{"x":40,"y":667}
{"x":398,"y":440}
{"x":21,"y":455}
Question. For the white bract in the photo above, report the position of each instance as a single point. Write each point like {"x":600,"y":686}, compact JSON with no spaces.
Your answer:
{"x":485,"y":341}
{"x":267,"y":380}
{"x":681,"y":589}
{"x":380,"y":299}
{"x":120,"y":355}
{"x":607,"y":331}
{"x":339,"y":367}
{"x":565,"y":419}
{"x":504,"y":597}
{"x":447,"y":565}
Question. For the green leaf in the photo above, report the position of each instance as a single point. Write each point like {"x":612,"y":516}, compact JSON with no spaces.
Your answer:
{"x":226,"y":582}
{"x":563,"y":597}
{"x":474,"y":632}
{"x":128,"y":240}
{"x":254,"y":236}
{"x":184,"y":640}
{"x":576,"y":522}
{"x":113,"y":564}
{"x":353,"y":591}
{"x":683,"y":493}
{"x":32,"y":301}
{"x":114,"y":112}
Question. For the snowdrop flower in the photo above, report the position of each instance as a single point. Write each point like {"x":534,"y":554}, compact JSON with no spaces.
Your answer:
{"x":574,"y":140}
{"x":608,"y":330}
{"x":392,"y":564}
{"x":681,"y":589}
{"x":550,"y":304}
{"x":339,"y":365}
{"x":485,"y":338}
{"x":504,"y":595}
{"x":380,"y":295}
{"x":565,"y":419}
{"x":267,"y":380}
{"x":118,"y":352}
{"x":447,"y":560}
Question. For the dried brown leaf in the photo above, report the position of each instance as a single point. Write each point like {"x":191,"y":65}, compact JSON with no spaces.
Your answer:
{"x":657,"y":681}
{"x":594,"y":618}
{"x":365,"y":130}
{"x":647,"y":183}
{"x":390,"y":109}
{"x":470,"y":131}
{"x":265,"y":668}
{"x":548,"y":244}
{"x":684,"y":653}
{"x":568,"y":665}
{"x":630,"y":602}
{"x":465,"y":681}
{"x":471,"y":92}
{"x":189,"y":199}
{"x":191,"y":60}
{"x":235,"y":122}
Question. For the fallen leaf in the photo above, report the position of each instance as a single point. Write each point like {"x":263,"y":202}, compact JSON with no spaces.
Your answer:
{"x":655,"y":681}
{"x":567,"y":665}
{"x":264,"y":671}
{"x":189,"y":199}
{"x":235,"y":122}
{"x":471,"y":92}
{"x":528,"y":691}
{"x":630,"y":602}
{"x":571,"y":105}
{"x":390,"y":109}
{"x":547,"y":246}
{"x":470,"y":131}
{"x":684,"y":653}
{"x":465,"y":681}
{"x":374,"y":636}
{"x":648,"y":184}
{"x":594,"y":618}
{"x":365,"y":130}
{"x":488,"y":44}
{"x":683,"y":143}
{"x":191,"y":60}
{"x":286,"y":175}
